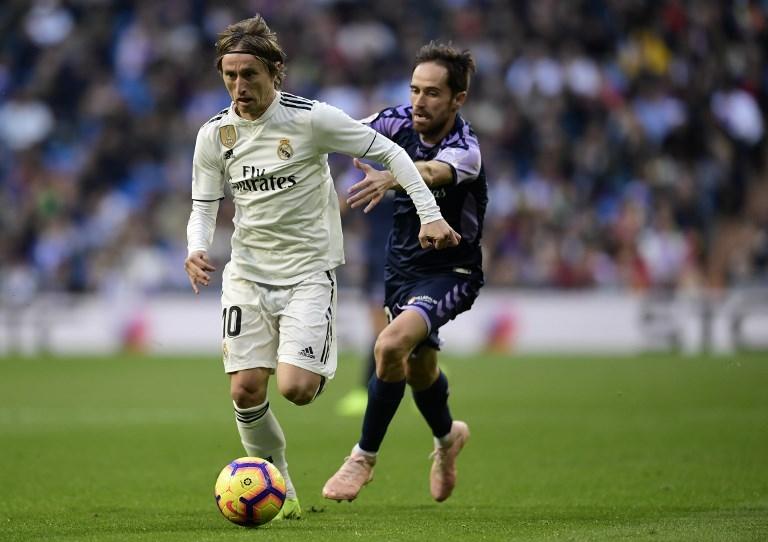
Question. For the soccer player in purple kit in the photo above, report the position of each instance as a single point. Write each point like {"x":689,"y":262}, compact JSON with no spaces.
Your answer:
{"x":424,"y":289}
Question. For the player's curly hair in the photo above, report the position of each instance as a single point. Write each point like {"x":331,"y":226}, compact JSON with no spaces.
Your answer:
{"x":253,"y":36}
{"x":460,"y":64}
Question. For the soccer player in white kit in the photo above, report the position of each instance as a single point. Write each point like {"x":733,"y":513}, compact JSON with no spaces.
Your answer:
{"x":279,"y":288}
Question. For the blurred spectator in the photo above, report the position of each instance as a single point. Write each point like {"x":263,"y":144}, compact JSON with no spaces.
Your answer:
{"x":24,"y":121}
{"x":625,"y":141}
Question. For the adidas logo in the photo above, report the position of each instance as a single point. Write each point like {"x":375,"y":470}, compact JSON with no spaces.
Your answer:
{"x":307,"y":353}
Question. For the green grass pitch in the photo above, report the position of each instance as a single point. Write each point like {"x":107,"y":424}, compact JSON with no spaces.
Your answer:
{"x":636,"y":448}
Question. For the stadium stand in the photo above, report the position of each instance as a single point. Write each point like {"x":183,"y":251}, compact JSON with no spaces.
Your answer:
{"x":624,"y":141}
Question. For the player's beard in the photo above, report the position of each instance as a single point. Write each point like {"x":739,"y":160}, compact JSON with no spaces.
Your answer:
{"x":429,"y":128}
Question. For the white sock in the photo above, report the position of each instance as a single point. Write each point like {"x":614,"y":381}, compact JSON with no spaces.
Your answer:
{"x":444,"y":442}
{"x":263,"y":437}
{"x":357,"y":450}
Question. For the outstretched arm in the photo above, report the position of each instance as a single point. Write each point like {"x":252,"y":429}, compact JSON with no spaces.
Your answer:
{"x":334,"y":131}
{"x":435,"y":231}
{"x":371,"y":189}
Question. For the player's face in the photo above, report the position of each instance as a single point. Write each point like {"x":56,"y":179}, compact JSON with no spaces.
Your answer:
{"x":249,"y":84}
{"x":434,"y":105}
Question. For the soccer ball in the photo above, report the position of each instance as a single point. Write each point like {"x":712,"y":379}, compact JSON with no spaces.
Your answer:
{"x":250,"y":491}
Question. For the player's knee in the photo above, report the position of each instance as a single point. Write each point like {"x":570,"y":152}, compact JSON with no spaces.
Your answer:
{"x":297,"y":393}
{"x":391,"y":348}
{"x":249,"y":388}
{"x":247,"y":397}
{"x":390,"y":355}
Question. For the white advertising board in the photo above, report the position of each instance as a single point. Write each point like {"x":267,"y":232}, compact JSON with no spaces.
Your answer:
{"x":501,"y":320}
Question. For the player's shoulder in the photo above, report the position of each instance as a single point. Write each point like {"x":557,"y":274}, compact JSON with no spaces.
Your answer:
{"x":295,"y":110}
{"x":296,"y":103}
{"x":217,"y":117}
{"x":461,"y":135}
{"x":210,"y":127}
{"x":391,"y":120}
{"x":400,"y":112}
{"x":293,"y":105}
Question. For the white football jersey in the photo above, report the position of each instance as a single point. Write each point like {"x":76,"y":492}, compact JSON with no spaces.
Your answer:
{"x":287,"y":222}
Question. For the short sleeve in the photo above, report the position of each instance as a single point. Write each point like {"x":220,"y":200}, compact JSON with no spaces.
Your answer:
{"x":207,"y":169}
{"x":464,"y":159}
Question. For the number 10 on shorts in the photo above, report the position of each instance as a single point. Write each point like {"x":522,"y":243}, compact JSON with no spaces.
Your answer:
{"x":232,"y":318}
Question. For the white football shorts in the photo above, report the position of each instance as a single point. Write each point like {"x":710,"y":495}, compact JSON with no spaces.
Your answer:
{"x":296,"y":324}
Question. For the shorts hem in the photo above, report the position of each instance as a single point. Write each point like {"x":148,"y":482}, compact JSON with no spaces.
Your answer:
{"x":304,"y":365}
{"x":424,"y":315}
{"x":234,"y":368}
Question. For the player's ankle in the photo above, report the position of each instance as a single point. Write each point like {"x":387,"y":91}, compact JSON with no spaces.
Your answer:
{"x":369,"y":456}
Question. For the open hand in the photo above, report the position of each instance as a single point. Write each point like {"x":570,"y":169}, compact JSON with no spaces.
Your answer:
{"x":371,"y":188}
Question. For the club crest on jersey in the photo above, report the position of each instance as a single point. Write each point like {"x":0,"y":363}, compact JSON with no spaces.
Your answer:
{"x":284,"y":149}
{"x":228,"y":135}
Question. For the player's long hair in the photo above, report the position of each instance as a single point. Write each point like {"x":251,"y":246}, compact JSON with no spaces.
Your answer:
{"x":460,"y":64}
{"x":253,"y":36}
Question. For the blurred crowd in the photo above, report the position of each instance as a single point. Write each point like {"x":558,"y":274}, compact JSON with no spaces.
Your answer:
{"x":624,"y":141}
